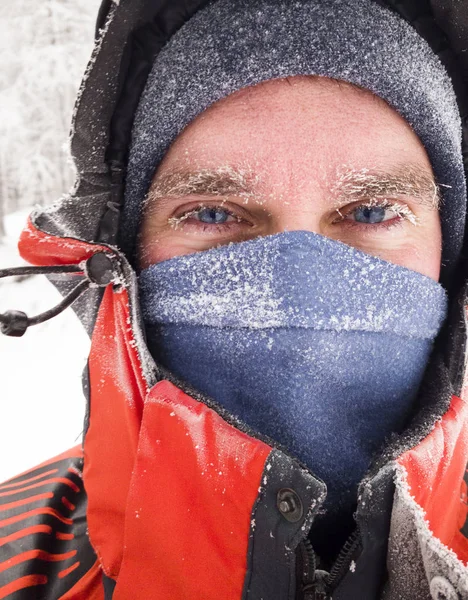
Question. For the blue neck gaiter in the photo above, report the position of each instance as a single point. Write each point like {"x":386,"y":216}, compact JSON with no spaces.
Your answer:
{"x":313,"y":343}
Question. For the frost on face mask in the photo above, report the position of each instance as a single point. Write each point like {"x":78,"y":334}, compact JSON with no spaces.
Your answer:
{"x":306,"y":340}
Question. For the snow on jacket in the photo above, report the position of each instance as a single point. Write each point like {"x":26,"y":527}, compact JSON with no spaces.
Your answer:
{"x":170,"y":497}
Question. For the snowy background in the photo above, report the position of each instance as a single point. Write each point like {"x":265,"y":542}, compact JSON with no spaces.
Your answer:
{"x":44,"y":48}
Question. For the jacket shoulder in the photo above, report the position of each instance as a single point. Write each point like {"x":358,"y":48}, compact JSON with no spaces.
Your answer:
{"x":44,"y":547}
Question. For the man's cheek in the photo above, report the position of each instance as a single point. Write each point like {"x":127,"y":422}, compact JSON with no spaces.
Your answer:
{"x":156,"y":246}
{"x":416,"y":247}
{"x":421,"y":251}
{"x":422,"y":257}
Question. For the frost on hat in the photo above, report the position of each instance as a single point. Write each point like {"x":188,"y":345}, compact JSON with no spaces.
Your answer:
{"x":230,"y":45}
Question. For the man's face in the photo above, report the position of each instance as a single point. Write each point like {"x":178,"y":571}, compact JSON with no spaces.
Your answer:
{"x":304,"y":153}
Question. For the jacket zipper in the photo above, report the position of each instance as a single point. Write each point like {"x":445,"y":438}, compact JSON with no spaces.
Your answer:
{"x":343,"y":562}
{"x":307,"y":568}
{"x":317,"y":584}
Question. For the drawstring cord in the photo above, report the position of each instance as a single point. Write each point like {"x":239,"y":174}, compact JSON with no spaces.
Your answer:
{"x":29,"y":270}
{"x":100,"y":270}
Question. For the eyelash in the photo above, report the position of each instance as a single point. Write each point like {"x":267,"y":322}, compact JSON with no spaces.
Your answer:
{"x":184,"y":217}
{"x":403,"y":213}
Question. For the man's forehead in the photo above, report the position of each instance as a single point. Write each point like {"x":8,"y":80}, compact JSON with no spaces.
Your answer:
{"x":348,"y":183}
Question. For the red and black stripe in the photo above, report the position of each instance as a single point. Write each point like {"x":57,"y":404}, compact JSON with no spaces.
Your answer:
{"x":43,"y":531}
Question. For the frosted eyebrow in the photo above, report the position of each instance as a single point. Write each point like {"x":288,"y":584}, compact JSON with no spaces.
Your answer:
{"x":354,"y":185}
{"x":351,"y":185}
{"x":216,"y":182}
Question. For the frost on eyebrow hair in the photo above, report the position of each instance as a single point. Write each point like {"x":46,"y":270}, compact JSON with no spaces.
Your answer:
{"x":221,"y":181}
{"x":366,"y":184}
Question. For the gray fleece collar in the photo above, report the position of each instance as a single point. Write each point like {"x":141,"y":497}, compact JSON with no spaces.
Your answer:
{"x":232,"y":44}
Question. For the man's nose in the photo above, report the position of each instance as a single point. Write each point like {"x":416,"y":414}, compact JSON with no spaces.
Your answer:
{"x":305,"y":220}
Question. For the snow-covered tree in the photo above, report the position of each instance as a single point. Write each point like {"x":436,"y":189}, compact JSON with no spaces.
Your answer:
{"x":44,"y":48}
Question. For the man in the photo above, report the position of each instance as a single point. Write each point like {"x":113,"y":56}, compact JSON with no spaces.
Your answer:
{"x":277,"y":410}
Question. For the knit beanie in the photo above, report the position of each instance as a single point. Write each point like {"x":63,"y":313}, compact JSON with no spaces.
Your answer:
{"x":233,"y":44}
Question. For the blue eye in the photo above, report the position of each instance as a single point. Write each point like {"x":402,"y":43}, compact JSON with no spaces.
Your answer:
{"x":212,"y":216}
{"x":371,"y":214}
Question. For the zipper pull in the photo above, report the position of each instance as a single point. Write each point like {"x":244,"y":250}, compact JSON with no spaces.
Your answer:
{"x":314,"y":581}
{"x":318,"y":589}
{"x":319,"y":584}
